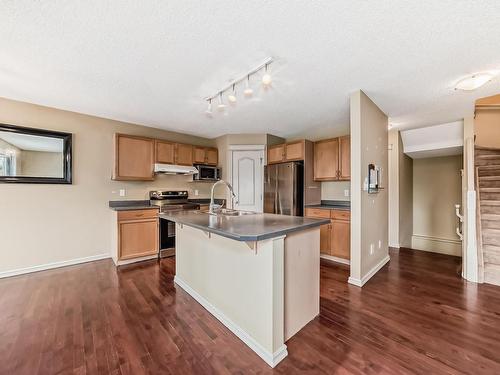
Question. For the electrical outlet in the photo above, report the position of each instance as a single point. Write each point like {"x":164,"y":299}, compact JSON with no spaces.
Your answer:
{"x":379,"y":244}
{"x":346,"y":192}
{"x":371,"y":249}
{"x":122,"y":192}
{"x":196,"y":192}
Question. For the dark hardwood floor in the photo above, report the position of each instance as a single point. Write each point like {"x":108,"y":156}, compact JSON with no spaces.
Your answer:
{"x":415,"y":316}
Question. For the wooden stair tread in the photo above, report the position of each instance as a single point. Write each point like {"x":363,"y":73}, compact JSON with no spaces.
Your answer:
{"x":490,"y":202}
{"x":490,"y":216}
{"x":491,"y":249}
{"x":491,"y":231}
{"x":490,"y":190}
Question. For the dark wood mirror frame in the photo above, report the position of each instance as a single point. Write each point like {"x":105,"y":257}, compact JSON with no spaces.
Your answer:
{"x":67,"y":154}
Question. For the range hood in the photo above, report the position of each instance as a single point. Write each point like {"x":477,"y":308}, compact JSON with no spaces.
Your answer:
{"x":175,"y":169}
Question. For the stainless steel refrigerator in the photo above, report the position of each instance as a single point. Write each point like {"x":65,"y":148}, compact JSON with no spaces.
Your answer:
{"x":284,"y":189}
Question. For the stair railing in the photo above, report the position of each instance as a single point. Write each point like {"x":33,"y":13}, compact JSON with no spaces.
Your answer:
{"x":460,"y":221}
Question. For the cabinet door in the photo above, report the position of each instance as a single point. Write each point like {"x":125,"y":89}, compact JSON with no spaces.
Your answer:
{"x":340,"y":239}
{"x":199,"y":155}
{"x":137,"y":238}
{"x":165,"y":152}
{"x":326,"y":160}
{"x":183,"y":154}
{"x":324,"y":239}
{"x":276,"y":154}
{"x":294,"y":151}
{"x":345,"y":158}
{"x":134,"y":158}
{"x":212,"y":156}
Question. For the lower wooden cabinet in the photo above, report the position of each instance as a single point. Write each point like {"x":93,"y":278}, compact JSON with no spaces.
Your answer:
{"x":137,"y":234}
{"x":335,"y":238}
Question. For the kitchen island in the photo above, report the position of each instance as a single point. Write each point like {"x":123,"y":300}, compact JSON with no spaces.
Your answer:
{"x":257,"y":273}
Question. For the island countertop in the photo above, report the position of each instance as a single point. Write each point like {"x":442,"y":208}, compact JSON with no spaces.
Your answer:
{"x":253,"y":227}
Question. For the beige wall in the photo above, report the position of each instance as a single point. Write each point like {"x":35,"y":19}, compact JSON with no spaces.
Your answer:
{"x":42,"y":164}
{"x":43,"y":224}
{"x":437,"y":187}
{"x":487,"y":127}
{"x":405,"y":192}
{"x":369,"y":212}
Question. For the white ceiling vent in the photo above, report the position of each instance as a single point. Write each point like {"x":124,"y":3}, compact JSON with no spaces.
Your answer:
{"x":432,"y":141}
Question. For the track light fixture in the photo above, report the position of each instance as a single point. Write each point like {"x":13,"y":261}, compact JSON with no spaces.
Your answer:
{"x":266,"y":78}
{"x":248,"y":91}
{"x":232,"y":97}
{"x":221,"y":106}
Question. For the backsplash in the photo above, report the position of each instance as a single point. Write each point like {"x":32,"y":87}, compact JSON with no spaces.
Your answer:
{"x":334,"y":190}
{"x":140,"y":190}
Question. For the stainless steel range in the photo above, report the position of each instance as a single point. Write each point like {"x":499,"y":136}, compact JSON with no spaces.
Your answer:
{"x":169,"y":201}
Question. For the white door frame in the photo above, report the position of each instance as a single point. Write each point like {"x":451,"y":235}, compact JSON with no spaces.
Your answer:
{"x":232,"y":148}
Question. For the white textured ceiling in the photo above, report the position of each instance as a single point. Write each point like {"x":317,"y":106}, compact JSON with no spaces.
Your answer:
{"x":153,"y":62}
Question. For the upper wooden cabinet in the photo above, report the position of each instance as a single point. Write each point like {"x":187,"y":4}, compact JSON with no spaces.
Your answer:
{"x":165,"y":152}
{"x":205,"y":155}
{"x":276,"y":154}
{"x":183,"y":154}
{"x":345,"y":158}
{"x":173,"y":153}
{"x":332,"y":159}
{"x":286,"y":152}
{"x":134,"y":158}
{"x":326,"y":159}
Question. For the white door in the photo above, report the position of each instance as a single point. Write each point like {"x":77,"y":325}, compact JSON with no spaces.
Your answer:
{"x":248,"y":179}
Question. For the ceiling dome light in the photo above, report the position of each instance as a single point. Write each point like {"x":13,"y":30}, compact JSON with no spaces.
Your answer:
{"x":232,"y":97}
{"x":474,"y":82}
{"x":221,"y":106}
{"x":248,"y":90}
{"x":266,"y":78}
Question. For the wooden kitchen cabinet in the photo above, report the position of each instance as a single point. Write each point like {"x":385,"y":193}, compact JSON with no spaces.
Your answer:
{"x":326,"y":159}
{"x":340,"y":239}
{"x":335,"y":238}
{"x":276,"y":154}
{"x":134,"y":158}
{"x":137,"y":234}
{"x":345,"y":158}
{"x":173,"y":153}
{"x":165,"y":152}
{"x":332,"y":159}
{"x":205,"y":155}
{"x":285,"y":152}
{"x":183,"y":154}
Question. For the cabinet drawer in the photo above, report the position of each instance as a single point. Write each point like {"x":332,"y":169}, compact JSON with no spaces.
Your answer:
{"x":137,"y":214}
{"x":318,"y":212}
{"x":341,"y":215}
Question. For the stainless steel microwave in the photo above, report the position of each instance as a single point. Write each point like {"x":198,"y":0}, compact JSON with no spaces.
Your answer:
{"x":207,"y":173}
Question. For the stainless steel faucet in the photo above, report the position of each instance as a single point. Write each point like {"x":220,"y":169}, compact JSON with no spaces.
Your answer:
{"x":213,"y":208}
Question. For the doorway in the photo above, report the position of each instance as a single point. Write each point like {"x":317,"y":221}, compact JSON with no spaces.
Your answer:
{"x":247,"y":176}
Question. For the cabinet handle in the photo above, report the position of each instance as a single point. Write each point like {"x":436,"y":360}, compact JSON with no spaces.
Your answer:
{"x":139,"y":215}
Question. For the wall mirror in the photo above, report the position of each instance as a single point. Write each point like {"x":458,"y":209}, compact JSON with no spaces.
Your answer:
{"x":34,"y":156}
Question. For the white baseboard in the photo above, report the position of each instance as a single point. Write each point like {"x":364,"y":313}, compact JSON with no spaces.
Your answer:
{"x":335,"y":259}
{"x":272,"y":359}
{"x":438,"y":245}
{"x":368,"y":276}
{"x":49,"y":266}
{"x":134,"y":260}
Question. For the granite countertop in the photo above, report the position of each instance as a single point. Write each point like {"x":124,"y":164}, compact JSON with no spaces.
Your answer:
{"x":332,"y":205}
{"x":254,"y":227}
{"x":131,"y":205}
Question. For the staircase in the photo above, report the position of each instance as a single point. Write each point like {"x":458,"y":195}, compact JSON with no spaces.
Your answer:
{"x":487,"y":161}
